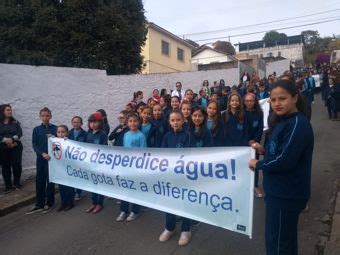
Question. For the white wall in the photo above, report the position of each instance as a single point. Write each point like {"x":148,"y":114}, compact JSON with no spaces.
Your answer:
{"x":208,"y":56}
{"x":72,"y":91}
{"x":278,"y":66}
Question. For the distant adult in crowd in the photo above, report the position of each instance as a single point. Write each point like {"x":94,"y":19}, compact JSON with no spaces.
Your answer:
{"x":10,"y":148}
{"x":179,"y":92}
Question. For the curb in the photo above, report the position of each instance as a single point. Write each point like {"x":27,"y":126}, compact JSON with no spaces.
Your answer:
{"x":13,"y":207}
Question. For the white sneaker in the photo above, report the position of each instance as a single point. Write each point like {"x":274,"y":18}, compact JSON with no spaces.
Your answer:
{"x":184,"y":239}
{"x":166,"y":235}
{"x":132,"y":216}
{"x":121,"y":217}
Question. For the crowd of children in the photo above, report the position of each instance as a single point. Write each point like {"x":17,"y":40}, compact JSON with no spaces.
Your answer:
{"x":219,"y":116}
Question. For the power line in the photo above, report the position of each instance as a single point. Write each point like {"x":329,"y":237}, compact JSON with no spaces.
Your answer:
{"x":264,"y":31}
{"x":263,"y":23}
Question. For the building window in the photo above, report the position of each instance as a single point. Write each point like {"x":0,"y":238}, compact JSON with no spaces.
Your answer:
{"x":180,"y":54}
{"x":279,"y":54}
{"x":270,"y":54}
{"x":165,"y":48}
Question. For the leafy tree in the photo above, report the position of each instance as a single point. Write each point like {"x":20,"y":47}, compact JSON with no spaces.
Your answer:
{"x":273,"y":37}
{"x":104,"y":34}
{"x":310,"y":37}
{"x":224,"y":46}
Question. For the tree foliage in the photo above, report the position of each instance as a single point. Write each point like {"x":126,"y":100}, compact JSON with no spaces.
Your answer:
{"x":103,"y":34}
{"x":273,"y":37}
{"x":224,"y":46}
{"x":310,"y":37}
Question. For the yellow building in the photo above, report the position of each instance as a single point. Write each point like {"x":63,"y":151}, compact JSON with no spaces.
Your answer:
{"x":165,"y":52}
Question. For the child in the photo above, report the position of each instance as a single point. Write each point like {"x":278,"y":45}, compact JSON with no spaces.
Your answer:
{"x":165,"y":103}
{"x":66,"y":193}
{"x":189,"y":97}
{"x":96,"y":135}
{"x":235,"y":125}
{"x":262,"y":93}
{"x":186,"y":111}
{"x":77,"y":134}
{"x":106,"y":126}
{"x":177,"y":137}
{"x":158,"y":129}
{"x":214,"y":123}
{"x":201,"y":136}
{"x":132,"y":139}
{"x":223,"y":100}
{"x":203,"y":101}
{"x":146,"y":125}
{"x":117,"y":134}
{"x":155,"y":95}
{"x":254,"y":115}
{"x":286,"y":167}
{"x":175,"y":103}
{"x":44,"y":189}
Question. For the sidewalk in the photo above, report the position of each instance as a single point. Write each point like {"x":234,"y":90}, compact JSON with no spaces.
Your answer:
{"x":18,"y":198}
{"x":333,"y":244}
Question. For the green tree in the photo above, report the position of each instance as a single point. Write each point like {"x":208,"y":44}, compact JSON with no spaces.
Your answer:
{"x":273,"y":37}
{"x":310,"y":37}
{"x":103,"y":34}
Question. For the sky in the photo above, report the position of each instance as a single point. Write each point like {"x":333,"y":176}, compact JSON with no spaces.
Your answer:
{"x":185,"y":17}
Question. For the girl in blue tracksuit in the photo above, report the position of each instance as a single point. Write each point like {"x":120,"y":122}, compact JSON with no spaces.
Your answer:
{"x":254,"y":116}
{"x":96,"y":135}
{"x":77,"y":134}
{"x":201,"y":135}
{"x":286,"y":167}
{"x":235,"y":123}
{"x":214,"y":123}
{"x":177,"y":137}
{"x":66,"y":192}
{"x":146,"y":125}
{"x":159,"y":127}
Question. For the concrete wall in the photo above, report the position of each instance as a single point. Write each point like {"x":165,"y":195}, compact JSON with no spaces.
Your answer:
{"x":71,"y":91}
{"x":278,"y":66}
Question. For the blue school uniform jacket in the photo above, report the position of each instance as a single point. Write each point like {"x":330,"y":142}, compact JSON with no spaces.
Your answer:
{"x":181,"y":139}
{"x":235,"y":133}
{"x":255,"y":125}
{"x":201,"y":138}
{"x":262,"y":95}
{"x":98,"y":137}
{"x":217,"y":134}
{"x":79,"y":136}
{"x":39,"y":138}
{"x":118,"y":136}
{"x":287,"y":162}
{"x":158,"y":129}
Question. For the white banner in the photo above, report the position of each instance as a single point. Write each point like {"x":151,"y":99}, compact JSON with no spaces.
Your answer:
{"x":265,"y":105}
{"x":211,"y":185}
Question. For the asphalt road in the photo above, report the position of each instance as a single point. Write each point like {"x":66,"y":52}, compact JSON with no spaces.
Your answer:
{"x":76,"y":232}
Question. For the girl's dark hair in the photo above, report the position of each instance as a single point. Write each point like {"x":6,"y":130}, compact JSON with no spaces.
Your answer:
{"x":205,"y":82}
{"x":64,"y":127}
{"x":2,"y":113}
{"x":45,"y":109}
{"x":202,"y":129}
{"x":239,"y":112}
{"x":292,"y":89}
{"x":163,"y":92}
{"x":176,"y":112}
{"x":133,"y":115}
{"x":175,"y":97}
{"x":78,"y":117}
{"x":167,"y":100}
{"x":136,"y":94}
{"x":104,"y":115}
{"x":216,"y":118}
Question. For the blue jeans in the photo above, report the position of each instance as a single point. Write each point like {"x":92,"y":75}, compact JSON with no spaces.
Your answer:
{"x":97,"y":199}
{"x":124,"y":207}
{"x":43,"y":188}
{"x":66,"y":195}
{"x":170,"y":223}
